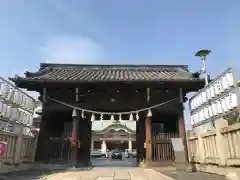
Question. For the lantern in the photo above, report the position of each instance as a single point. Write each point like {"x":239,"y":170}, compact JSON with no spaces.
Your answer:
{"x":15,"y":97}
{"x":214,"y":108}
{"x":210,"y":110}
{"x":4,"y":90}
{"x":224,"y":83}
{"x":219,"y":107}
{"x":223,"y":104}
{"x":204,"y":96}
{"x":192,"y":120}
{"x":229,"y":78}
{"x":227,"y":102}
{"x":10,"y":94}
{"x":212,"y":92}
{"x":208,"y":93}
{"x":233,"y":100}
{"x":206,"y":113}
{"x":4,"y":110}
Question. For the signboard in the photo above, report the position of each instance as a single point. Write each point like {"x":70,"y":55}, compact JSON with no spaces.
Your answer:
{"x":2,"y":148}
{"x":218,"y":98}
{"x":177,"y":144}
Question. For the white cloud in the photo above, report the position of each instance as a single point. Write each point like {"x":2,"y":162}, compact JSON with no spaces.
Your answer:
{"x":72,"y":50}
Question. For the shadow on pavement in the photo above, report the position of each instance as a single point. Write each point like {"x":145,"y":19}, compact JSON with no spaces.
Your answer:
{"x":40,"y":172}
{"x":44,"y":170}
{"x":103,"y":162}
{"x":28,"y":174}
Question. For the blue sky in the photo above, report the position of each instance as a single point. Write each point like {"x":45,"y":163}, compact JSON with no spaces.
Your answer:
{"x":110,"y":31}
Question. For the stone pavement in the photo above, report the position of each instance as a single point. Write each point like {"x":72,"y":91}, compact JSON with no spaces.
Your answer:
{"x":182,"y":175}
{"x":114,"y":173}
{"x":121,"y":173}
{"x":105,"y":169}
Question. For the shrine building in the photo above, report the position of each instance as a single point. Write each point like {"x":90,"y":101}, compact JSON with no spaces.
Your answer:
{"x":85,"y":100}
{"x":110,"y":134}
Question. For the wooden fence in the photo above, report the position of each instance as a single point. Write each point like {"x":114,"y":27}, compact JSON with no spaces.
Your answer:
{"x":217,"y":147}
{"x":19,"y":148}
{"x":162,"y":149}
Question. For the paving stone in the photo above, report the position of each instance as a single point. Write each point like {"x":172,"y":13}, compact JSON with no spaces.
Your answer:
{"x":121,"y":178}
{"x":88,"y":178}
{"x":104,"y":178}
{"x":121,"y":175}
{"x":104,"y":172}
{"x":138,"y":175}
{"x":181,"y":175}
{"x":71,"y":178}
{"x":153,"y":175}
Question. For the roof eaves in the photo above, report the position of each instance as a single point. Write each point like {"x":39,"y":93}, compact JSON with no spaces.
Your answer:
{"x":112,"y":127}
{"x":38,"y":73}
{"x":44,"y":65}
{"x":38,"y":80}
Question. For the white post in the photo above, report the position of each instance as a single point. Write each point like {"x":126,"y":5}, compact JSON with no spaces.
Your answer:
{"x":130,"y":145}
{"x":103,"y":146}
{"x":18,"y":146}
{"x":205,"y":70}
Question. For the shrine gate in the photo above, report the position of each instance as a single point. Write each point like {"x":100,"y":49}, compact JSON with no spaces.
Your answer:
{"x":151,"y":95}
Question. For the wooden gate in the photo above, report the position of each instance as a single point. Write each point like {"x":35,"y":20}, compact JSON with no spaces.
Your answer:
{"x":59,"y":149}
{"x":162,"y":149}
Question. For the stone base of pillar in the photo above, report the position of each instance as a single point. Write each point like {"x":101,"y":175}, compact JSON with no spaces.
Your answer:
{"x":81,"y":165}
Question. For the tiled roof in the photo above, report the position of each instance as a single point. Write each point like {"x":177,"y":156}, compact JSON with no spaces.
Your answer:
{"x":99,"y":126}
{"x":95,"y":73}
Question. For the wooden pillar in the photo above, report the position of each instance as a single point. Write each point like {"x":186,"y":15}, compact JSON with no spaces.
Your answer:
{"x":75,"y":133}
{"x":148,"y":137}
{"x":148,"y":142}
{"x":42,"y":145}
{"x":140,"y":138}
{"x":75,"y":141}
{"x":85,"y":133}
{"x":182,"y":130}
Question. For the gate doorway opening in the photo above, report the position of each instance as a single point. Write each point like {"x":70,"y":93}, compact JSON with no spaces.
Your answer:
{"x":58,"y":146}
